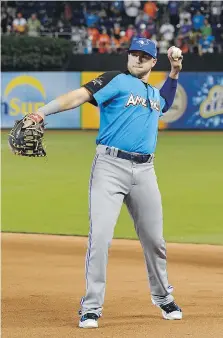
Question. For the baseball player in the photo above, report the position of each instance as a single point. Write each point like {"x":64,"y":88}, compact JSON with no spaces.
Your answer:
{"x":123,"y":170}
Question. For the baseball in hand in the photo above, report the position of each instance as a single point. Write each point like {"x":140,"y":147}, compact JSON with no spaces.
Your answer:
{"x":175,"y":53}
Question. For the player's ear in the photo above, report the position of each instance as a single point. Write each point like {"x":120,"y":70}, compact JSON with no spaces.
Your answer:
{"x":154,"y":62}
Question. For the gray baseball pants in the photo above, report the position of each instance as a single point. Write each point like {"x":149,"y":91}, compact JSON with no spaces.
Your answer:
{"x":112,"y":182}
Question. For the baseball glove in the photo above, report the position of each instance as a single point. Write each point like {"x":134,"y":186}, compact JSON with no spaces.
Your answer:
{"x":26,"y":136}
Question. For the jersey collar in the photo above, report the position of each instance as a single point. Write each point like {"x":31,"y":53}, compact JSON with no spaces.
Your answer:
{"x":127,"y":72}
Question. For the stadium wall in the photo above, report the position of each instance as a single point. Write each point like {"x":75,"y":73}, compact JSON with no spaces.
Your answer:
{"x":105,"y":62}
{"x":198,"y":103}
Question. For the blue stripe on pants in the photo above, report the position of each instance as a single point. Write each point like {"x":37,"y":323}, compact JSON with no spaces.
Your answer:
{"x":90,"y":220}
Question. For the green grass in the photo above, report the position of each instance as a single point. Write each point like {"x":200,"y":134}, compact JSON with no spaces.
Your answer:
{"x":51,"y":195}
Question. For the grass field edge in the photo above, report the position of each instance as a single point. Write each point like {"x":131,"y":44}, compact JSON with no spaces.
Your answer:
{"x":121,"y":238}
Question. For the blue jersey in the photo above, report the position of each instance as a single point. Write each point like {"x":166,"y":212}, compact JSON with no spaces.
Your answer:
{"x":129,"y":111}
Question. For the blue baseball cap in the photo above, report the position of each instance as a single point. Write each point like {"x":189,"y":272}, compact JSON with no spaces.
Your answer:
{"x":144,"y":45}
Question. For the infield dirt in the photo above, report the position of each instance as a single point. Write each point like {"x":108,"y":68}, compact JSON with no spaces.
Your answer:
{"x":43,"y":280}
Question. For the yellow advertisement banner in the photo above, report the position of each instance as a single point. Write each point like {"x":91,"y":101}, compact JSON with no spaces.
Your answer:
{"x":90,"y":116}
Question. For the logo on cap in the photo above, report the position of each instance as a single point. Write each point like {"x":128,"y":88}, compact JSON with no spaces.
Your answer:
{"x":142,"y":42}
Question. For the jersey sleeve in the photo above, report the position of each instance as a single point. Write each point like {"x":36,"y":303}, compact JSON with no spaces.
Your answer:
{"x":104,"y":87}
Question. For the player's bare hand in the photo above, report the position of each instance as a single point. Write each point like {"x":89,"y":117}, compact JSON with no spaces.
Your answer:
{"x":175,"y":56}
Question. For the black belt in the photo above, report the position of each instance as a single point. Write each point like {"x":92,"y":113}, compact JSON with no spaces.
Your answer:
{"x":130,"y":156}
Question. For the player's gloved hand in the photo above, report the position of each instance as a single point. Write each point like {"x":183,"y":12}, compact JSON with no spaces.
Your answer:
{"x":32,"y":119}
{"x":175,"y":56}
{"x":26,"y":136}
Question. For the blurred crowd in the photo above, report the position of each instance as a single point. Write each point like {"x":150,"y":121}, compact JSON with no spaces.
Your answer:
{"x":108,"y":26}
